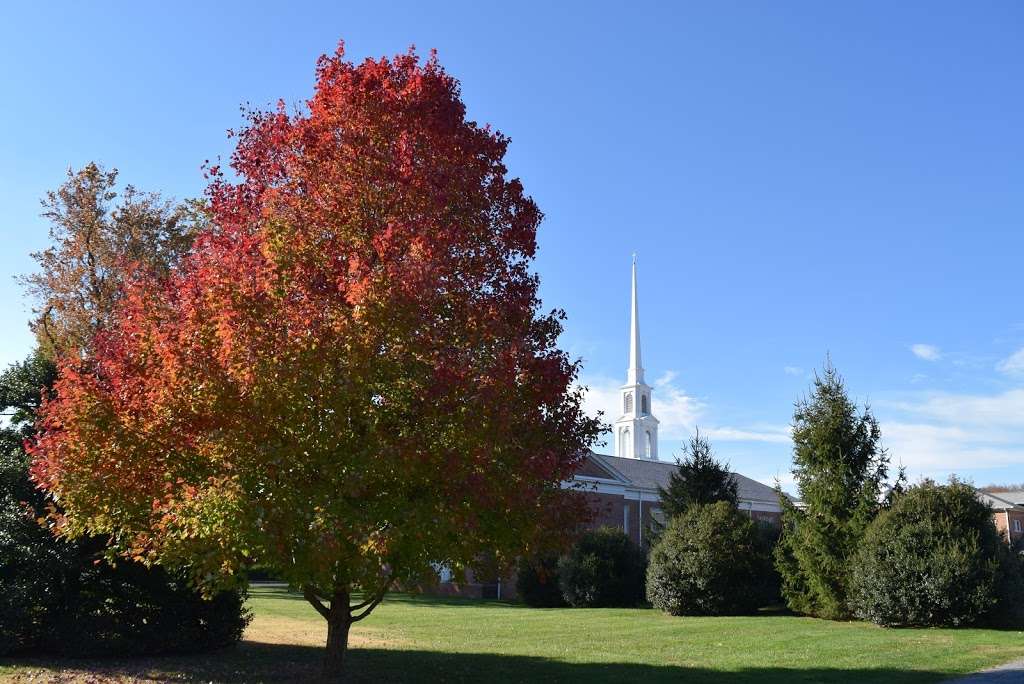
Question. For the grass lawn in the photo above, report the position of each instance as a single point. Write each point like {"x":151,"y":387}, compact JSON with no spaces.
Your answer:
{"x":426,"y":640}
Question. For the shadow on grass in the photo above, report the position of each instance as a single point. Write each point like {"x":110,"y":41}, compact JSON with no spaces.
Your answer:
{"x":261,"y":662}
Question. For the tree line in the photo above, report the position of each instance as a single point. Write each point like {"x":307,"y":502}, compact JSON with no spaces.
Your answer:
{"x":851,"y":544}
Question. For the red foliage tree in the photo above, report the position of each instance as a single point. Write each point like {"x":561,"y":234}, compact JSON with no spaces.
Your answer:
{"x":348,"y":378}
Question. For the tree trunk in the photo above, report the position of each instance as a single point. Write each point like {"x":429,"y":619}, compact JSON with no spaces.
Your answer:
{"x":339,"y":620}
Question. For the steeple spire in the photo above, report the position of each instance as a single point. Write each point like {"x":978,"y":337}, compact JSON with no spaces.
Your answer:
{"x":636,"y":431}
{"x":635,"y":374}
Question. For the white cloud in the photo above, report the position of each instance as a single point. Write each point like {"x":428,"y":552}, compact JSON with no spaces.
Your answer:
{"x":1013,"y":364}
{"x":937,"y":433}
{"x":925,"y":449}
{"x":780,"y":435}
{"x":991,"y":411}
{"x":666,"y":379}
{"x":678,"y":412}
{"x":928,"y":352}
{"x":793,"y":370}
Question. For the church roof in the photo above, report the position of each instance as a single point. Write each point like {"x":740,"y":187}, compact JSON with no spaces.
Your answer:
{"x":654,"y":474}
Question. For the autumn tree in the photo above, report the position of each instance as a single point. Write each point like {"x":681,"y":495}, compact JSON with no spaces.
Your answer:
{"x":348,"y":378}
{"x":699,"y":478}
{"x":99,"y":241}
{"x":59,"y":598}
{"x":840,"y":470}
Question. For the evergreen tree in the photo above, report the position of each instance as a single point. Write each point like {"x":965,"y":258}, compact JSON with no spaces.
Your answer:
{"x":699,"y":479}
{"x":840,"y":470}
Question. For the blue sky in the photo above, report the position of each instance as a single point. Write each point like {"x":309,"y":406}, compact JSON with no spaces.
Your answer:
{"x":797,"y":179}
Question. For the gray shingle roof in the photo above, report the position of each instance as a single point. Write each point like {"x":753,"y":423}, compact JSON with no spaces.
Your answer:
{"x":1016,"y":497}
{"x":1002,"y":500}
{"x":654,"y":474}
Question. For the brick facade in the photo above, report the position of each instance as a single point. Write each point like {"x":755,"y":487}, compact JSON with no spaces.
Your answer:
{"x":621,"y":493}
{"x":1012,"y":521}
{"x":1007,"y":513}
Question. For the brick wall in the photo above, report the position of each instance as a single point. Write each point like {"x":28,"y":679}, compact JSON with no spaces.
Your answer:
{"x":1016,"y":520}
{"x":609,"y":510}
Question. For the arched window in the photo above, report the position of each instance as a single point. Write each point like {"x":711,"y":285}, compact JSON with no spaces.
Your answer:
{"x":624,"y":443}
{"x":627,"y":403}
{"x":649,"y":445}
{"x":643,"y":405}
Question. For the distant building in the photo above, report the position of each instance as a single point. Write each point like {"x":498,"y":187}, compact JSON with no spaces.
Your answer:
{"x":1007,"y":511}
{"x":622,"y":490}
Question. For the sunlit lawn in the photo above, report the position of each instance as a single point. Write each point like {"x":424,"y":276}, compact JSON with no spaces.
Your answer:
{"x":424,"y":640}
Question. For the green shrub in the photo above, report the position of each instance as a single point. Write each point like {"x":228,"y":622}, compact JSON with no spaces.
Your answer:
{"x":1009,"y":610}
{"x":58,"y":599}
{"x":537,"y":582}
{"x":769,"y":582}
{"x":711,"y":560}
{"x":603,"y":569}
{"x":933,"y":559}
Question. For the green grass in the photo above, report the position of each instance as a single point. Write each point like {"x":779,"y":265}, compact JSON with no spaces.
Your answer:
{"x":424,"y":639}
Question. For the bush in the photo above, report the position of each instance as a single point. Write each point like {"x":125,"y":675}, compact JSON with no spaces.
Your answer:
{"x":603,"y":569}
{"x":711,"y":560}
{"x":1009,"y":610}
{"x":537,"y":582}
{"x":933,"y":559}
{"x":769,"y":582}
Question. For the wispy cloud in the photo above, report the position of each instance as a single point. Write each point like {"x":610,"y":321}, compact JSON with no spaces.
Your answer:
{"x":940,"y":432}
{"x":774,"y":435}
{"x":928,"y":352}
{"x":1013,"y":364}
{"x":793,"y":370}
{"x":1002,"y":410}
{"x":932,"y":449}
{"x":666,"y":379}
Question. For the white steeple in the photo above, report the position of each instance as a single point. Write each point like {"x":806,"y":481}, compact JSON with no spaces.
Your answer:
{"x":636,"y":432}
{"x":635,"y":373}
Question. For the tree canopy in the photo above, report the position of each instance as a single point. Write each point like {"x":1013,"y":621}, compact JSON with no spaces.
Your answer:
{"x":98,"y":244}
{"x":348,"y":377}
{"x":699,"y":479}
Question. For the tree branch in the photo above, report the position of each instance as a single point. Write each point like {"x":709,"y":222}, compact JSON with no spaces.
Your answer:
{"x":370,"y":605}
{"x":310,"y":595}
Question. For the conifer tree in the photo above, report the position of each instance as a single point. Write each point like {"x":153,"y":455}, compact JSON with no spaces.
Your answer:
{"x":699,"y":479}
{"x":840,"y":470}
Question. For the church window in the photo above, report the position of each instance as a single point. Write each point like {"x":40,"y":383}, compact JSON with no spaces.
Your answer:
{"x":643,"y":405}
{"x":627,"y":403}
{"x":649,"y":447}
{"x":624,"y":443}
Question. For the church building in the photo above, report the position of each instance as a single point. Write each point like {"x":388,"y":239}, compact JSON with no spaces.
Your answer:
{"x":623,"y":489}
